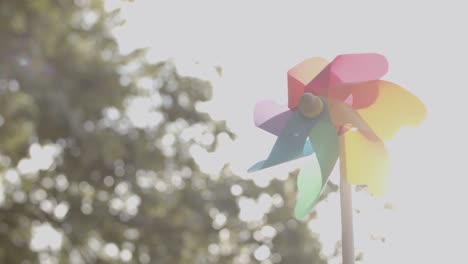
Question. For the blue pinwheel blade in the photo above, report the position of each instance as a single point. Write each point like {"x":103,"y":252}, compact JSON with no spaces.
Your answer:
{"x":291,"y":143}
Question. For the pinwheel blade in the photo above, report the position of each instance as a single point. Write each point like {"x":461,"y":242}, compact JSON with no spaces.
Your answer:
{"x":271,"y":116}
{"x":309,"y":185}
{"x":357,"y":95}
{"x":313,"y":177}
{"x":364,"y":162}
{"x":301,"y":75}
{"x":326,"y":145}
{"x":348,"y":68}
{"x":291,"y":142}
{"x":343,"y":116}
{"x":395,"y":107}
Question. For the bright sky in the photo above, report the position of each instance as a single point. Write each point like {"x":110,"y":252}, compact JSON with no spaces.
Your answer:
{"x":256,"y":43}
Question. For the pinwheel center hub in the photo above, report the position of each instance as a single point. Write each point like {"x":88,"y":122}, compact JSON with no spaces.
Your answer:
{"x":310,"y":105}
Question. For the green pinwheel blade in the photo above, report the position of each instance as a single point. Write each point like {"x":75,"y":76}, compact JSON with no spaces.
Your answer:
{"x":313,"y":177}
{"x":325,"y":141}
{"x":309,"y":185}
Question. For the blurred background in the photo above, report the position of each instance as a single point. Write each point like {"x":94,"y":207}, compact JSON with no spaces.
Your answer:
{"x":126,"y":130}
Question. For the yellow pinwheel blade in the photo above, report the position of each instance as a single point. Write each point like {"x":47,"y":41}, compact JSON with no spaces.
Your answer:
{"x":364,"y":161}
{"x":394,"y":107}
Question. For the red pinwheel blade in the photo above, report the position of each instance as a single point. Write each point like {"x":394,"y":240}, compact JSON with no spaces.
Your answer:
{"x":301,"y":75}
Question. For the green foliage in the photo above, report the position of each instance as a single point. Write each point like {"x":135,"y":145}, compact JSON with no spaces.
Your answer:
{"x":112,"y":182}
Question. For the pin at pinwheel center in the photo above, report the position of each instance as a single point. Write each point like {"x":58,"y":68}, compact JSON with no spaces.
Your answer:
{"x":310,"y":105}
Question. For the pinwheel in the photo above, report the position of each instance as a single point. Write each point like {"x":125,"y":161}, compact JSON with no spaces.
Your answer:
{"x":337,"y":110}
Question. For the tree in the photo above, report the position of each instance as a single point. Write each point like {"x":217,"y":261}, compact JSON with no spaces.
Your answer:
{"x":75,"y":164}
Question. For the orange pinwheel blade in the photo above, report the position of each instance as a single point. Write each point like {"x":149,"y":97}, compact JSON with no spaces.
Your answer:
{"x":393,"y":108}
{"x":345,"y":117}
{"x":364,"y":162}
{"x":301,"y":75}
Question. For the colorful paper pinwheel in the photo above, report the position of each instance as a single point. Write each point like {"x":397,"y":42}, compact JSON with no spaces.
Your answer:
{"x":338,"y":109}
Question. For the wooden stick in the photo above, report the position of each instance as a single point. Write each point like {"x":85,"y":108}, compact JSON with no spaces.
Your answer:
{"x":347,"y":236}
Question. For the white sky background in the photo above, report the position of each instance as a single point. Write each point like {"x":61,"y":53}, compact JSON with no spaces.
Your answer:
{"x":256,"y":43}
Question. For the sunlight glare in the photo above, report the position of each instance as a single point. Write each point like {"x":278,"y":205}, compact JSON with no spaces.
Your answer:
{"x":45,"y":237}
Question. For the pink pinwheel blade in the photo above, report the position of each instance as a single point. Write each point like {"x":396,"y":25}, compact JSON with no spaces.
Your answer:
{"x":348,"y":68}
{"x":358,"y":95}
{"x":271,"y":116}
